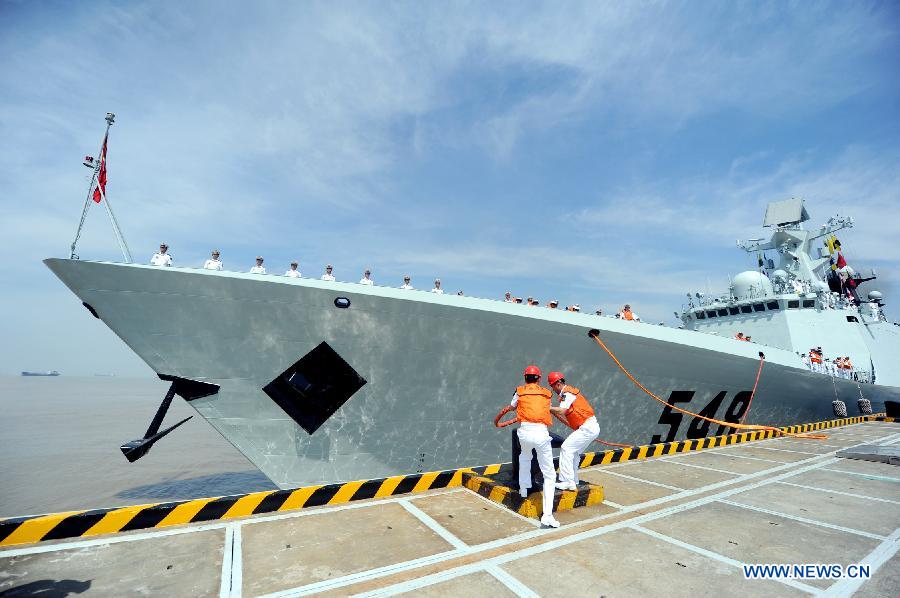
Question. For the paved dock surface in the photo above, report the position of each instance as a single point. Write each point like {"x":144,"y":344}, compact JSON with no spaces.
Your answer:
{"x":673,"y":526}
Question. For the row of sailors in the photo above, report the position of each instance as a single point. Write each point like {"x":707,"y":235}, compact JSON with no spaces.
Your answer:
{"x":163,"y":258}
{"x":840,"y":367}
{"x":625,"y":314}
{"x":835,"y":301}
{"x":828,"y":299}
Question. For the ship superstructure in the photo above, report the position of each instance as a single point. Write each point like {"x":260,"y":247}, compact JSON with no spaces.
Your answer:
{"x":809,"y":299}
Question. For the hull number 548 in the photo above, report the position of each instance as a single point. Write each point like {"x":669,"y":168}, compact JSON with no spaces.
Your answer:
{"x":699,"y":428}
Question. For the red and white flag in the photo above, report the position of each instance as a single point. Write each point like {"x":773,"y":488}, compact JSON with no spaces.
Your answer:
{"x":100,"y":190}
{"x":841,"y":262}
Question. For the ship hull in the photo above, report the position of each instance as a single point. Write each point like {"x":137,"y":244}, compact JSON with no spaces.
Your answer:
{"x":435,"y":369}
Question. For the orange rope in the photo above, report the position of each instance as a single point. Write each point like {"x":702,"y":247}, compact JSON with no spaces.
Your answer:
{"x":613,"y":443}
{"x":563,"y":420}
{"x":762,"y":360}
{"x":737,"y":426}
{"x":508,"y":422}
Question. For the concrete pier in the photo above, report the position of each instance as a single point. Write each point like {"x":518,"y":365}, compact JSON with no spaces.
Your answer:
{"x":679,"y":525}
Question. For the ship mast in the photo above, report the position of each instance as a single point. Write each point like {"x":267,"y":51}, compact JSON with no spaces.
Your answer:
{"x":96,"y":165}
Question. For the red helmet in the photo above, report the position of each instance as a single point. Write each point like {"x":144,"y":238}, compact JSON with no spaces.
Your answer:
{"x":554,"y":377}
{"x":532,"y":370}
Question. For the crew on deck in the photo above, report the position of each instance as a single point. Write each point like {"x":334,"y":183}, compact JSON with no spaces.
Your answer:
{"x":293,"y":272}
{"x":162,"y":258}
{"x":213,"y":263}
{"x":627,"y":314}
{"x":815,"y":360}
{"x":258,"y":268}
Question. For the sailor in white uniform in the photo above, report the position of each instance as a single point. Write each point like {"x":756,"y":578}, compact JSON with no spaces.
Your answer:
{"x":293,"y":272}
{"x":213,"y":263}
{"x":366,"y":279}
{"x":162,"y":258}
{"x":437,"y":287}
{"x":406,"y":284}
{"x":579,"y":415}
{"x":328,"y":276}
{"x":874,"y":310}
{"x":258,"y":268}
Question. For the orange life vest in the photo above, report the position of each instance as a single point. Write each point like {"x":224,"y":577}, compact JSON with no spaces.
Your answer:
{"x":627,"y":315}
{"x":815,"y":357}
{"x":534,"y":404}
{"x":847,"y":364}
{"x":580,"y":410}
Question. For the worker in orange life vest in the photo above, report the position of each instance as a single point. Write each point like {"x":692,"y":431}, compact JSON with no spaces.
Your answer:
{"x":815,"y":358}
{"x":627,"y":314}
{"x":532,"y":404}
{"x":579,"y":416}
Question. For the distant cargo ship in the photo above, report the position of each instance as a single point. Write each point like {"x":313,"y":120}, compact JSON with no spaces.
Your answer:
{"x":50,"y":373}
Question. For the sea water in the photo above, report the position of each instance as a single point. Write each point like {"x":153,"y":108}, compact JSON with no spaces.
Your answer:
{"x":59,"y":447}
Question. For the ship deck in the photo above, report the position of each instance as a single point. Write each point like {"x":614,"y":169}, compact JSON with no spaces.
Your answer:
{"x":678,"y":525}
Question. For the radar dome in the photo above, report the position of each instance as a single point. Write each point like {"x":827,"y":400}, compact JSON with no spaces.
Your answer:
{"x":875,"y":295}
{"x":779,"y":275}
{"x":751,"y":285}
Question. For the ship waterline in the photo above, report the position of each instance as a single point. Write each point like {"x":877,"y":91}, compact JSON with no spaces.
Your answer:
{"x":432,"y":370}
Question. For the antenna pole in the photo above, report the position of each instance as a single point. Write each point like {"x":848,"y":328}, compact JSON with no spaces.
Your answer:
{"x":87,"y":199}
{"x":115,"y":224}
{"x":110,"y":119}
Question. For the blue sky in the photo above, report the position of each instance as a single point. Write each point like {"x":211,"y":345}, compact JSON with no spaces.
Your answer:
{"x":595,"y":153}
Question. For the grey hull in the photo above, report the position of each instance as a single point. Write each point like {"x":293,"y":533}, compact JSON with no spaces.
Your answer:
{"x":437,"y":368}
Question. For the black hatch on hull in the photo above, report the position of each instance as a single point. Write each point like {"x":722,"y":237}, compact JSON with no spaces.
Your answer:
{"x":314,"y":388}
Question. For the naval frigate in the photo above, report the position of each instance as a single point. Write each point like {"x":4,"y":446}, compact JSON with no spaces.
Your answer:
{"x":317,"y":381}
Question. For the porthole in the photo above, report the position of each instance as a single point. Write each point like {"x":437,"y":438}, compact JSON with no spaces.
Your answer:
{"x":341,"y":302}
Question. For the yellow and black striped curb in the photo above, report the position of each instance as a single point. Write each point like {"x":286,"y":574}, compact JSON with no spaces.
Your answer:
{"x":587,"y":494}
{"x":74,"y":524}
{"x":648,"y":451}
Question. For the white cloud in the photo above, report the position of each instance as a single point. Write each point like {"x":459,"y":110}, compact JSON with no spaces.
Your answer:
{"x":315,"y":130}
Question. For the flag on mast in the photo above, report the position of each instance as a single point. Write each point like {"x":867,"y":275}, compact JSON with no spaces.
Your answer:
{"x":100,"y":190}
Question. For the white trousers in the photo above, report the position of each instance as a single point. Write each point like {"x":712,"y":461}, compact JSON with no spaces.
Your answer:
{"x":536,"y":436}
{"x":572,"y":447}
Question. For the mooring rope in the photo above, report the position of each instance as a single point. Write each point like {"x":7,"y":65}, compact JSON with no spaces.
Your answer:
{"x":738,"y":426}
